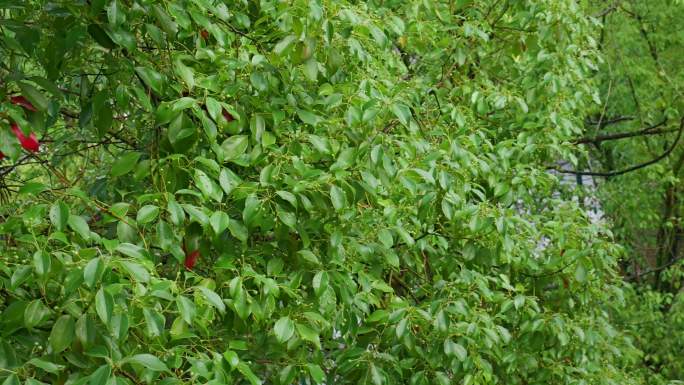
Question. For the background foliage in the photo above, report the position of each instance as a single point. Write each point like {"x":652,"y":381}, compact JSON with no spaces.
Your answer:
{"x":641,"y":88}
{"x":326,"y":192}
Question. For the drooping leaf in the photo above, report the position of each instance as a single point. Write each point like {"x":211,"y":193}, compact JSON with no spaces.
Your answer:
{"x":284,"y":329}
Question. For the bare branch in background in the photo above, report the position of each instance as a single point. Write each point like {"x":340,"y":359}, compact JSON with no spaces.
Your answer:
{"x":607,"y":10}
{"x":633,"y":168}
{"x":621,"y":135}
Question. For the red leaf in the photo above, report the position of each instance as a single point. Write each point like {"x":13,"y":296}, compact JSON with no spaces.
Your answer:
{"x":204,"y":34}
{"x":30,"y":143}
{"x":227,"y":115}
{"x":1,"y":155}
{"x":22,"y":101}
{"x":191,"y":259}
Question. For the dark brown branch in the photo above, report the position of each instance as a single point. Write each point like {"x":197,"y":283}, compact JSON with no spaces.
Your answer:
{"x":608,"y":122}
{"x":607,"y":10}
{"x":653,"y":270}
{"x":621,"y":135}
{"x":8,"y":169}
{"x":633,"y":168}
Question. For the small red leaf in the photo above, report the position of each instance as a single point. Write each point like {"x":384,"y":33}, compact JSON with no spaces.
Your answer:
{"x":204,"y":34}
{"x":22,"y":101}
{"x":1,"y":155}
{"x":30,"y":143}
{"x":227,"y":115}
{"x":191,"y":259}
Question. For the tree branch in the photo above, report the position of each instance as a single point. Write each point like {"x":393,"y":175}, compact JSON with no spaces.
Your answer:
{"x":653,"y":270}
{"x":633,"y":168}
{"x":621,"y":135}
{"x":607,"y":10}
{"x":604,"y":123}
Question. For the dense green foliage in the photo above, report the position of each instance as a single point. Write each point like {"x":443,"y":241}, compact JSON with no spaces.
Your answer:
{"x":320,"y":192}
{"x":641,"y":89}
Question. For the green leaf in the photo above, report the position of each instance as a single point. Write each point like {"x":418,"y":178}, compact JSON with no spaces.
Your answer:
{"x":309,"y":256}
{"x":136,"y":270}
{"x":32,"y":188}
{"x":113,"y":13}
{"x":131,"y":250}
{"x":308,"y":117}
{"x":316,"y":373}
{"x":249,"y":375}
{"x":235,"y":146}
{"x":288,"y":218}
{"x":62,"y":333}
{"x":376,"y":375}
{"x":147,"y":214}
{"x":34,"y":96}
{"x":282,"y":45}
{"x":165,"y":235}
{"x":12,"y":379}
{"x":379,"y":315}
{"x":196,"y":214}
{"x":227,"y":180}
{"x":386,"y":238}
{"x":85,"y":330}
{"x":580,"y":273}
{"x":32,"y":381}
{"x":259,"y":81}
{"x":151,"y":78}
{"x":207,"y":186}
{"x":104,"y":305}
{"x":20,"y":275}
{"x":287,"y":374}
{"x":101,"y":375}
{"x":454,"y":349}
{"x":402,"y":327}
{"x":320,"y":282}
{"x":213,"y":298}
{"x":308,"y":334}
{"x":219,"y":221}
{"x":100,"y":36}
{"x":215,"y":108}
{"x":237,"y":345}
{"x":47,"y":366}
{"x":442,"y":378}
{"x":35,"y":313}
{"x":166,"y":22}
{"x":320,"y":144}
{"x":405,"y":236}
{"x":288,"y":196}
{"x":311,"y":69}
{"x":79,"y":225}
{"x":148,"y":361}
{"x":41,"y":262}
{"x":59,"y":214}
{"x":253,"y":207}
{"x":232,"y":358}
{"x":378,"y":35}
{"x":125,"y":164}
{"x":176,"y":213}
{"x":186,"y":308}
{"x":284,"y":329}
{"x":338,"y":198}
{"x":238,"y":230}
{"x":93,"y":271}
{"x":402,"y":112}
{"x":123,"y":38}
{"x":185,"y":72}
{"x":154,"y":322}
